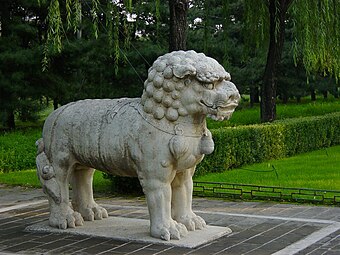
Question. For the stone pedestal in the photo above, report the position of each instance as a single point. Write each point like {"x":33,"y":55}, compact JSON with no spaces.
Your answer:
{"x":137,"y":230}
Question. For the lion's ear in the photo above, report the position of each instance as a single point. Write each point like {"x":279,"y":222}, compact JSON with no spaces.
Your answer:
{"x":180,"y":71}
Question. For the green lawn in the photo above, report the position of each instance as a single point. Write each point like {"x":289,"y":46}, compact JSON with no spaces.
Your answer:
{"x":29,"y":178}
{"x":244,"y":115}
{"x":317,"y":170}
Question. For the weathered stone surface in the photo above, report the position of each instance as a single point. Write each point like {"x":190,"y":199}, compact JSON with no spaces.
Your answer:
{"x":129,"y":229}
{"x":160,"y":138}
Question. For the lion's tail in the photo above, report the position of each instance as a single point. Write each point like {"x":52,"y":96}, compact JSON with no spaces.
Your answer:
{"x":40,"y":145}
{"x":41,"y":159}
{"x":46,"y":173}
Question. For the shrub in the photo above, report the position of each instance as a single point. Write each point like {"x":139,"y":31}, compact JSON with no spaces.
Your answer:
{"x":124,"y":185}
{"x":17,"y":150}
{"x":237,"y":146}
{"x":311,"y":133}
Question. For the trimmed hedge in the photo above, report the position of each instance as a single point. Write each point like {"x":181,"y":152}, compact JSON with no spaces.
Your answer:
{"x":237,"y":146}
{"x":234,"y":146}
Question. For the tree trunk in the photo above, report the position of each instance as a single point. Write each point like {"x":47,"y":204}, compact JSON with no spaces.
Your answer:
{"x":325,"y":94}
{"x":10,"y":122}
{"x":254,"y":95}
{"x":55,"y":103}
{"x":284,"y":98}
{"x":312,"y":94}
{"x":178,"y":24}
{"x":277,"y":12}
{"x":336,"y":93}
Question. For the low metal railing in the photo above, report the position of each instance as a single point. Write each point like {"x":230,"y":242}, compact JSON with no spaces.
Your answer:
{"x":255,"y":192}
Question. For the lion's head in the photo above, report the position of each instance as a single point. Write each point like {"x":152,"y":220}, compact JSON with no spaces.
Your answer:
{"x":186,"y":83}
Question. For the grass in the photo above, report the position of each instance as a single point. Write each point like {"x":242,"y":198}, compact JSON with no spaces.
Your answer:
{"x":29,"y":178}
{"x":317,"y":170}
{"x":17,"y":149}
{"x":244,"y":115}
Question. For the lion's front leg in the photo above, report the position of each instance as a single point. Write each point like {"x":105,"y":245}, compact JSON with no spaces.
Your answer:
{"x":158,"y":195}
{"x":181,"y":210}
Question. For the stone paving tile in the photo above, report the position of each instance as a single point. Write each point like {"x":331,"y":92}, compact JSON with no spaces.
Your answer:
{"x":246,"y":223}
{"x":250,"y":235}
{"x":56,"y":244}
{"x":274,"y":245}
{"x":230,"y":222}
{"x":176,"y":251}
{"x":210,"y":248}
{"x":22,"y":246}
{"x":316,"y":252}
{"x":89,"y":242}
{"x":311,"y":212}
{"x":130,"y":247}
{"x":238,"y":249}
{"x":307,"y":229}
{"x":95,"y":249}
{"x":47,"y":238}
{"x":67,"y":250}
{"x":15,"y":238}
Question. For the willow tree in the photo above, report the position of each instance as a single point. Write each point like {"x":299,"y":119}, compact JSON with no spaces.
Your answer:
{"x":66,"y":15}
{"x":316,"y":32}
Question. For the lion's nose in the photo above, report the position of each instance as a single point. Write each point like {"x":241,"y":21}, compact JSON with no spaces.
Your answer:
{"x":234,"y":97}
{"x":228,"y":91}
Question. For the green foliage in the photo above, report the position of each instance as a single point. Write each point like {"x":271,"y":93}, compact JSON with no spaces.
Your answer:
{"x":246,"y":116}
{"x":317,"y":170}
{"x":54,"y":31}
{"x":317,"y":35}
{"x":124,"y":185}
{"x":17,"y":150}
{"x":29,"y":178}
{"x":256,"y":29}
{"x":237,"y":146}
{"x":310,"y":133}
{"x":21,"y":80}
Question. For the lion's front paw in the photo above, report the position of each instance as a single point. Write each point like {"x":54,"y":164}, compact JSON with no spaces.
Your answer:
{"x":70,"y":220}
{"x":93,"y":212}
{"x":173,"y":230}
{"x":192,"y":222}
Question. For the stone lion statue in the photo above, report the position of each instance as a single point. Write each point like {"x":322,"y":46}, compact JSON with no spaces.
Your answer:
{"x":160,"y":138}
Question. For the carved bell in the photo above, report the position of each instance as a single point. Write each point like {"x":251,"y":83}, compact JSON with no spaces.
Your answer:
{"x":206,"y":145}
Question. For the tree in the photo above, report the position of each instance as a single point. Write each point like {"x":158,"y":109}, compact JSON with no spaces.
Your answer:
{"x":20,"y":54}
{"x":178,"y":24}
{"x":316,"y":28}
{"x":127,"y":41}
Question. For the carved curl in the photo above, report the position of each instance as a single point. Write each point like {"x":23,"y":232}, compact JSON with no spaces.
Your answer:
{"x":168,"y":77}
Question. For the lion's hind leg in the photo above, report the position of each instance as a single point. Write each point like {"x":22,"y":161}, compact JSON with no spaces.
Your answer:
{"x":55,"y":185}
{"x":82,"y":197}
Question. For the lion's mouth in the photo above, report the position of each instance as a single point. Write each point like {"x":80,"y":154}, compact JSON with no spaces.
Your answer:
{"x":220,"y":111}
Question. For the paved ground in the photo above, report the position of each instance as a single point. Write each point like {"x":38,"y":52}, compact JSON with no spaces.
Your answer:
{"x":258,"y":228}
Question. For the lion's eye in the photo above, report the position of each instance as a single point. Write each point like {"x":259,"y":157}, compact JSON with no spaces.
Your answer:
{"x":209,"y":86}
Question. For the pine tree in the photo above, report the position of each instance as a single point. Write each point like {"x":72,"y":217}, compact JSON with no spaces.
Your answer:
{"x":20,"y":79}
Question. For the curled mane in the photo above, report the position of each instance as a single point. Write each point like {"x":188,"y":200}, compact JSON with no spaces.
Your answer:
{"x":169,"y":75}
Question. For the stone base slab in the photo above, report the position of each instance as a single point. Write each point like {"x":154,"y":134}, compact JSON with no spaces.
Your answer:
{"x":130,"y":229}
